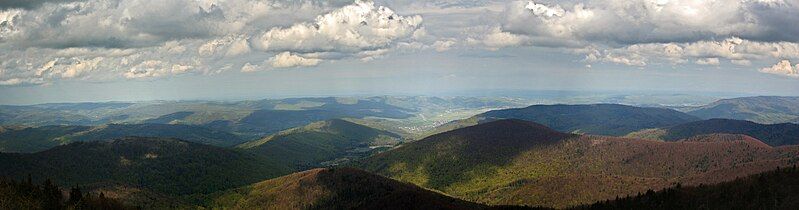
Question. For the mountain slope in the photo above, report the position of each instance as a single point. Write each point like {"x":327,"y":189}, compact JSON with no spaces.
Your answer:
{"x":34,"y":139}
{"x":310,"y":145}
{"x":166,"y":165}
{"x":342,"y":188}
{"x":599,"y":119}
{"x":774,"y":134}
{"x":189,"y":133}
{"x":778,"y":189}
{"x":521,"y":163}
{"x":760,"y":109}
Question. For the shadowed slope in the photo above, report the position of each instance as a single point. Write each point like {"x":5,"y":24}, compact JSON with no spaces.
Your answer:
{"x":778,"y":189}
{"x":521,"y":163}
{"x":166,"y":165}
{"x":774,"y":134}
{"x":342,"y":188}
{"x":600,"y":119}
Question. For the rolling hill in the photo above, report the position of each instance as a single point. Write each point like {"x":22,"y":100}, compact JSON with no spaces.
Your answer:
{"x":515,"y":162}
{"x":340,"y":188}
{"x":771,"y":134}
{"x":322,"y":143}
{"x":778,"y":189}
{"x":169,"y":166}
{"x":36,"y":139}
{"x":599,"y":119}
{"x":189,"y":133}
{"x":760,"y":109}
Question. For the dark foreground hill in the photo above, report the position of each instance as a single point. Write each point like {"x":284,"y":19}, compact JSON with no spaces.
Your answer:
{"x":771,"y":134}
{"x":599,"y":119}
{"x":322,"y":143}
{"x":778,"y":189}
{"x":169,"y":166}
{"x":28,"y":195}
{"x":514,"y":162}
{"x":340,"y":188}
{"x":760,"y":109}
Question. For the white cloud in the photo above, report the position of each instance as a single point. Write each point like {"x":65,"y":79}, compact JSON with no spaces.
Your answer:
{"x":708,"y":61}
{"x":494,"y":38}
{"x":443,"y":45}
{"x":783,"y":68}
{"x":247,"y":67}
{"x":287,"y":60}
{"x":353,"y":28}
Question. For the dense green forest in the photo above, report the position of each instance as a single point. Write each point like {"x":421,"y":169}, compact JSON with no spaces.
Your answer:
{"x":170,"y":166}
{"x":28,"y":195}
{"x":778,"y":189}
{"x":771,"y":134}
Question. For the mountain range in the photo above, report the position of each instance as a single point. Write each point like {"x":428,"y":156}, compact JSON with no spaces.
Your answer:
{"x":322,"y":143}
{"x":760,"y":109}
{"x":515,"y":162}
{"x":599,"y":119}
{"x":771,"y":134}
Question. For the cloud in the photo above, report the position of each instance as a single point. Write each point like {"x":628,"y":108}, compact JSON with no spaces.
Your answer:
{"x":247,"y":67}
{"x":494,"y":38}
{"x":28,"y":4}
{"x":107,"y":40}
{"x":783,"y":68}
{"x":287,"y":60}
{"x":708,"y":61}
{"x":155,"y":68}
{"x":616,"y":22}
{"x":353,"y":28}
{"x":443,"y":45}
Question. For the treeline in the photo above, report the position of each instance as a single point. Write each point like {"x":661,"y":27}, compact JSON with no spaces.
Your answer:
{"x":778,"y":189}
{"x":28,"y":195}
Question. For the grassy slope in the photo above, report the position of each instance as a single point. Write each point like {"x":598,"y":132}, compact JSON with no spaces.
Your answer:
{"x":308,"y":146}
{"x":773,"y":134}
{"x":166,"y":165}
{"x":517,"y":162}
{"x":342,"y":188}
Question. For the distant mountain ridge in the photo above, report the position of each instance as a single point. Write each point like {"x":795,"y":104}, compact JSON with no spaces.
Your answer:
{"x":35,"y":139}
{"x":771,"y":134}
{"x":599,"y":119}
{"x":515,"y":162}
{"x":310,"y":145}
{"x":760,"y":109}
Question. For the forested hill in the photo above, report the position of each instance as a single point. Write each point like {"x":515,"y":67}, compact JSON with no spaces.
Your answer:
{"x":166,"y":165}
{"x":771,"y":134}
{"x":516,"y":162}
{"x":778,"y":189}
{"x":760,"y":109}
{"x":599,"y":119}
{"x":327,"y":142}
{"x":339,"y":188}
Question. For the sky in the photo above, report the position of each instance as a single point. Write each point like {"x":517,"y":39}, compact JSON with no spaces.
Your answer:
{"x":129,"y":50}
